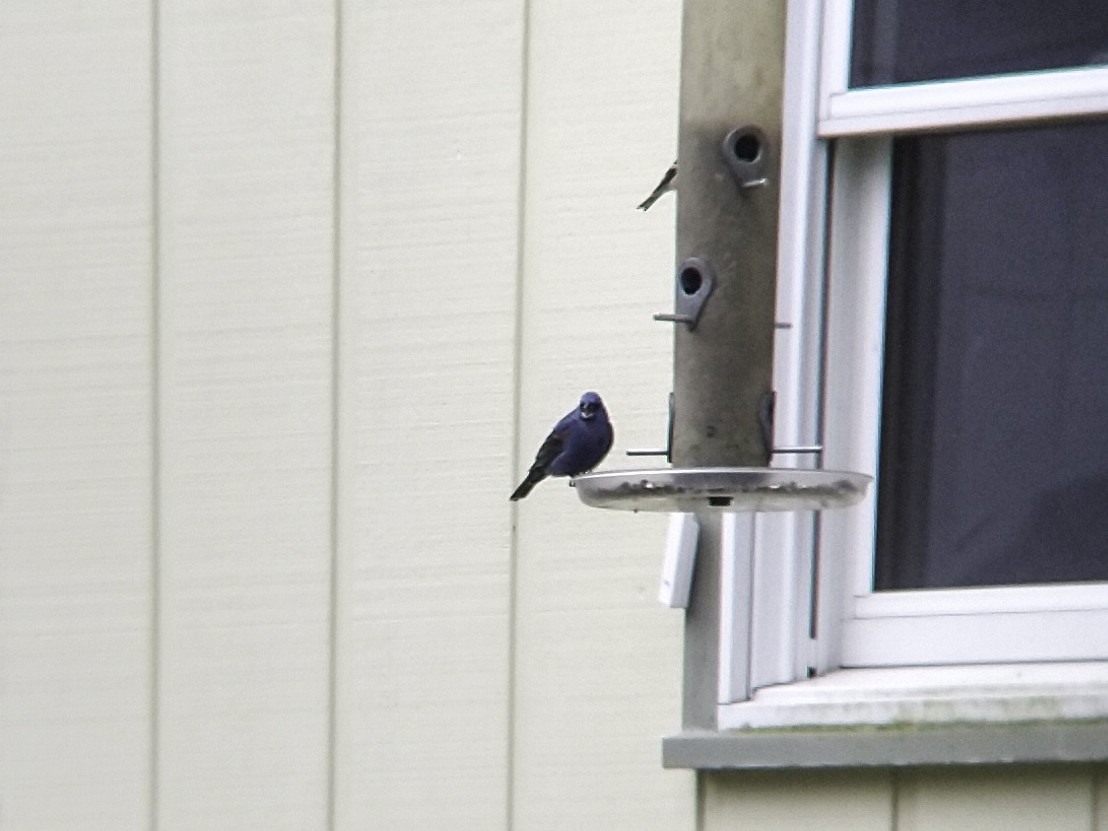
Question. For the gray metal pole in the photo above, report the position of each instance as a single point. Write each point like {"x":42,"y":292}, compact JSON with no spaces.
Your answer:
{"x":732,"y":69}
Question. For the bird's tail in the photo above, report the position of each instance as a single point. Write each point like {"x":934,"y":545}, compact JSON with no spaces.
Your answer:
{"x":534,"y":476}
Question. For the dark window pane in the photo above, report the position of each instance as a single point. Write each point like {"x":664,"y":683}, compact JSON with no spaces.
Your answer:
{"x":925,"y":40}
{"x":994,"y":449}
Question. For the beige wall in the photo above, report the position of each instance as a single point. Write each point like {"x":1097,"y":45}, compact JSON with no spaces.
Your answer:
{"x":1065,"y":798}
{"x":287,"y":302}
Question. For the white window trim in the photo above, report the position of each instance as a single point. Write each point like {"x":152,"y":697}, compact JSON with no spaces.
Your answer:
{"x":999,"y":99}
{"x":1049,"y":623}
{"x":764,"y":643}
{"x":764,"y":629}
{"x":996,"y":694}
{"x":1018,"y":97}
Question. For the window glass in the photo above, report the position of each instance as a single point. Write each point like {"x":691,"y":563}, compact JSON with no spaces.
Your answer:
{"x":924,"y":40}
{"x":994,"y":443}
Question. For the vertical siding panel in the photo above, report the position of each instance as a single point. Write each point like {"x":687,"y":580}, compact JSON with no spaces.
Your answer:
{"x":247,"y":140}
{"x":431,"y":136}
{"x":788,"y":801}
{"x":1100,"y":798}
{"x":1005,"y":799}
{"x":599,"y":661}
{"x":75,"y":459}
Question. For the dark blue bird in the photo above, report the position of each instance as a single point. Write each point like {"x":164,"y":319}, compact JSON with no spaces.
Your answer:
{"x":577,"y":444}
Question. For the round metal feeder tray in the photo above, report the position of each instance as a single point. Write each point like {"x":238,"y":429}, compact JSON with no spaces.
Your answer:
{"x":722,"y":489}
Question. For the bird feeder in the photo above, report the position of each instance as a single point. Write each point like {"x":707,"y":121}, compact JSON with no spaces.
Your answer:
{"x":720,"y":436}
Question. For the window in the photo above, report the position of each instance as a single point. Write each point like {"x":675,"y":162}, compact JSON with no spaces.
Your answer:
{"x":944,"y":271}
{"x":993,"y":465}
{"x":898,"y":42}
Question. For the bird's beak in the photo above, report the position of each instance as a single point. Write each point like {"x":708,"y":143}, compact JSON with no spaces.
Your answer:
{"x":588,"y":410}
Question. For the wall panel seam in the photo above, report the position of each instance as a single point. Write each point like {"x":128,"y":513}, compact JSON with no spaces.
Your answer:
{"x":336,"y":397}
{"x":155,"y":412}
{"x":517,"y":374}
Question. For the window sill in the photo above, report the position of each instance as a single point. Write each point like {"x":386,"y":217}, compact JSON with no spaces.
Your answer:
{"x":1016,"y":713}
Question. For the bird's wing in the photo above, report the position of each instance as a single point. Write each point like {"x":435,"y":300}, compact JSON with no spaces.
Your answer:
{"x":550,"y":449}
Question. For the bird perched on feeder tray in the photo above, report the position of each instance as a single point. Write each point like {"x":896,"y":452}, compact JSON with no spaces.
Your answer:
{"x":668,"y":183}
{"x":577,"y":444}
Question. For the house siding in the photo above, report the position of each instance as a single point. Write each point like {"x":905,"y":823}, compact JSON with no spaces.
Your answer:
{"x":244,"y":341}
{"x":925,"y":799}
{"x":75,"y":415}
{"x":290,"y":292}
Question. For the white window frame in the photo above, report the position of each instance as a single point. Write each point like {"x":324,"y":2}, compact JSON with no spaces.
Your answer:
{"x":912,"y":645}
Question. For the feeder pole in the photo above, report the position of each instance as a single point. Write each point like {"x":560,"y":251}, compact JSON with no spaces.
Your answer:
{"x":732,"y":65}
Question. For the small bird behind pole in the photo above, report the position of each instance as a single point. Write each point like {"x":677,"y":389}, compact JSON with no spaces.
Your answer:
{"x":577,"y":444}
{"x":668,"y":183}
